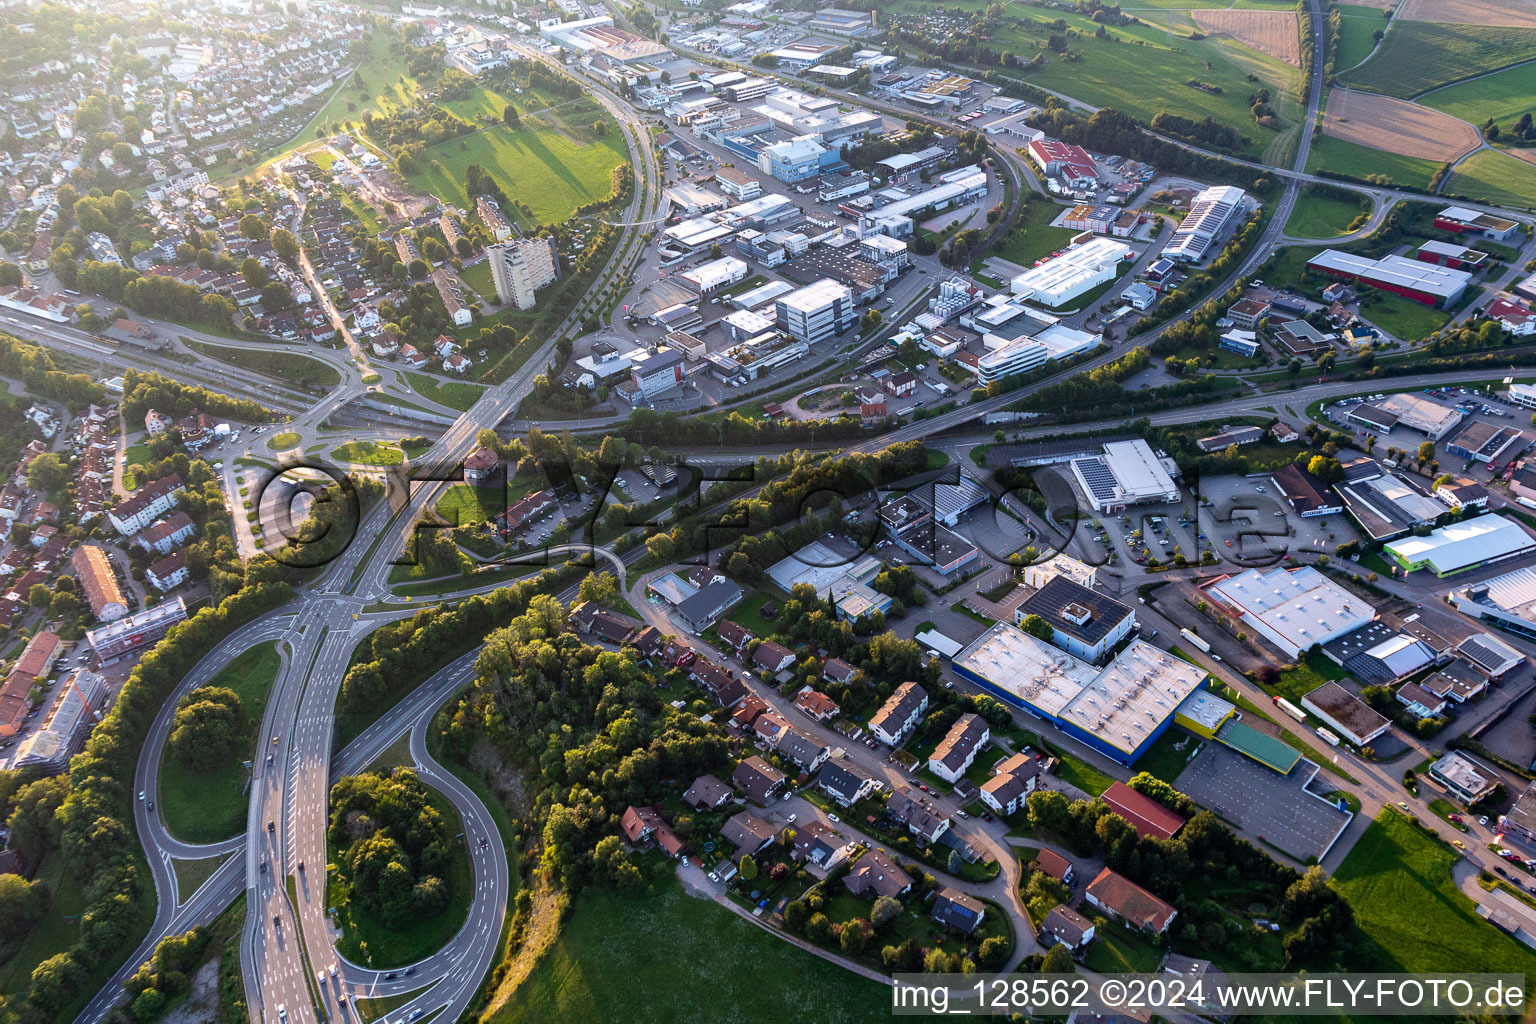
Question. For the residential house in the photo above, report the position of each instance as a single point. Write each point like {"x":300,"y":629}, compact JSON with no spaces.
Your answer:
{"x":1066,"y":926}
{"x":99,"y":582}
{"x":922,"y":818}
{"x":734,"y":635}
{"x":168,"y":534}
{"x":770,"y":728}
{"x":959,"y":747}
{"x":773,"y":657}
{"x":169,"y":572}
{"x":1057,"y":866}
{"x":758,"y":779}
{"x":876,"y":874}
{"x":845,"y":782}
{"x":816,"y":704}
{"x":706,"y":793}
{"x":901,"y":711}
{"x":748,"y":834}
{"x":836,"y":670}
{"x":145,"y":505}
{"x":747,"y":711}
{"x":801,"y":748}
{"x":1117,"y":895}
{"x":819,"y":844}
{"x":1013,"y":779}
{"x":956,"y":910}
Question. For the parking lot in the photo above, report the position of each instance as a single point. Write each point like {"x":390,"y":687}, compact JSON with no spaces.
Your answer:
{"x":1250,"y":523}
{"x":1277,"y":808}
{"x":1163,"y":530}
{"x":1476,"y":407}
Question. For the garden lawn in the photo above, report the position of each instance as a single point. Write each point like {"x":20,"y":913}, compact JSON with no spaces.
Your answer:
{"x":749,"y":614}
{"x":550,"y":171}
{"x":1357,"y":161}
{"x":1496,"y":178}
{"x":479,"y":278}
{"x":1395,"y":868}
{"x":1118,"y":950}
{"x":1165,"y":760}
{"x":1503,"y":96}
{"x":1420,"y":55}
{"x":1323,"y":216}
{"x":369,"y":453}
{"x":205,"y":806}
{"x":455,"y":394}
{"x":661,"y":956}
{"x":365,"y":940}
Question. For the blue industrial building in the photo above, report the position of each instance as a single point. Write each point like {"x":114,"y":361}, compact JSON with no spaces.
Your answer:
{"x":1119,"y":710}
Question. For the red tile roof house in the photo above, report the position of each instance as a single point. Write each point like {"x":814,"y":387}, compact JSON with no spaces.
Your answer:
{"x":816,"y":704}
{"x":1118,"y":895}
{"x":1055,"y":865}
{"x":1150,"y":819}
{"x":642,"y":823}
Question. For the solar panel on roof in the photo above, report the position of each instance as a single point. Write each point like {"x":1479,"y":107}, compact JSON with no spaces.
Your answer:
{"x":1098,"y":478}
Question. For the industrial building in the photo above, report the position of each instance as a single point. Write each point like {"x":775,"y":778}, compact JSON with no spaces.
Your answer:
{"x":738,"y":184}
{"x":1463,"y":778}
{"x":1211,"y":213}
{"x":1348,"y":715}
{"x":1461,"y":546}
{"x":1389,"y":506}
{"x":1119,"y":710}
{"x":1474,"y":222}
{"x":1507,"y":601}
{"x":798,"y":159}
{"x":1294,"y":610}
{"x":140,"y":629}
{"x":1071,"y":163}
{"x":1376,"y":654}
{"x":656,"y":372}
{"x":1485,"y":442}
{"x":1084,"y":623}
{"x":1413,"y":412}
{"x":522,"y":266}
{"x":697,"y":233}
{"x":817,"y":312}
{"x":710,"y":277}
{"x":1081,"y":268}
{"x":1422,"y":282}
{"x":1128,"y":473}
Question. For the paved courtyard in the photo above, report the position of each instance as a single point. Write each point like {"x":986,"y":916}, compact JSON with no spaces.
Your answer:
{"x":1263,"y":803}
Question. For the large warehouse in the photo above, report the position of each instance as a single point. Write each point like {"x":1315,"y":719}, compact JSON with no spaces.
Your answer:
{"x":1507,"y":601}
{"x":1118,"y":711}
{"x":1422,"y":282}
{"x":1210,"y":214}
{"x":1292,"y":609}
{"x":1081,"y":268}
{"x":1420,"y":415}
{"x":1128,"y":473}
{"x":1461,"y":546}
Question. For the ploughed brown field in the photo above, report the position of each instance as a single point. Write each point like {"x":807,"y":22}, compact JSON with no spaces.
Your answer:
{"x":1273,"y":33}
{"x":1397,"y":126}
{"x":1507,"y":13}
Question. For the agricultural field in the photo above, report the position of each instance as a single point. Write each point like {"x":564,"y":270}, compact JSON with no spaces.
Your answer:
{"x":1356,"y":40}
{"x":1496,"y":178}
{"x":1331,"y":154}
{"x":1503,"y":96}
{"x":551,"y":167}
{"x":1507,"y":13}
{"x":1320,"y":214}
{"x":1144,"y":70}
{"x":1417,"y":56}
{"x":1395,"y":867}
{"x":1275,"y":34}
{"x":1397,"y":126}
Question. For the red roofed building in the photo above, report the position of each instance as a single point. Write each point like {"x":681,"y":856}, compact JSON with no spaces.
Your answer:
{"x":1070,"y":163}
{"x":1514,"y":317}
{"x":1150,"y":819}
{"x":1118,"y":895}
{"x":816,"y":704}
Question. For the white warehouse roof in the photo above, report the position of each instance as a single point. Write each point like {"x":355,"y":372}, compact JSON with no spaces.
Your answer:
{"x":1467,"y":543}
{"x":1294,"y":609}
{"x":1073,"y":272}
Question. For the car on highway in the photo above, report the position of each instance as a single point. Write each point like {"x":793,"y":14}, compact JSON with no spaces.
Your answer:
{"x":333,"y":970}
{"x":282,"y":1013}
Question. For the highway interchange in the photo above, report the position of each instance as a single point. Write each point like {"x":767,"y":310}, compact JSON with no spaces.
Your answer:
{"x":288,"y":937}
